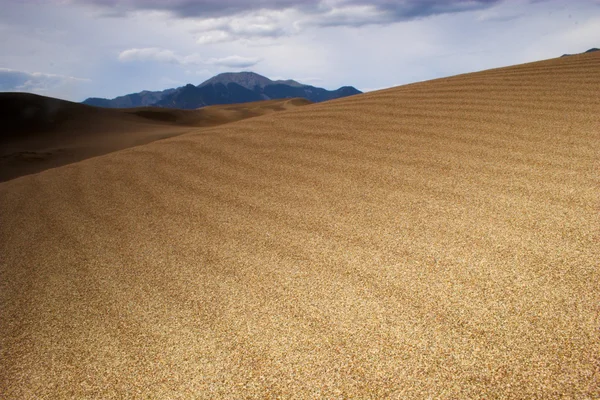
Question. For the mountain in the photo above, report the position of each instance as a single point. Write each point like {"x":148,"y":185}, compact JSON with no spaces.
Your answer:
{"x":190,"y":96}
{"x":314,"y":94}
{"x":225,"y":88}
{"x":593,"y":49}
{"x":249,"y":80}
{"x":142,"y":99}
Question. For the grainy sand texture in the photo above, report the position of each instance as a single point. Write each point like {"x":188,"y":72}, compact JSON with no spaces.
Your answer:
{"x":434,"y":240}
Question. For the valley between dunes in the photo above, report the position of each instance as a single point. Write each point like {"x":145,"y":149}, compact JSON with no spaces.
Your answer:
{"x":434,"y":240}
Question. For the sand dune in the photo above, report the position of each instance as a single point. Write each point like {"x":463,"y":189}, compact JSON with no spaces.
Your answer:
{"x":41,"y":132}
{"x":435,"y":240}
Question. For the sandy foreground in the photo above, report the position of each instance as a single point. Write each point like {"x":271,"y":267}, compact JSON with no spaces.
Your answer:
{"x":436,"y":240}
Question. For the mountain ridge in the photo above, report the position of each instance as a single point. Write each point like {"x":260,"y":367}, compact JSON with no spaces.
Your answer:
{"x":224,"y":88}
{"x":593,"y":49}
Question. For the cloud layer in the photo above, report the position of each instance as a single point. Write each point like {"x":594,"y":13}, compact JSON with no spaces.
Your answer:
{"x":151,"y":54}
{"x":325,"y":12}
{"x":168,"y":56}
{"x":20,"y":81}
{"x":234,"y":61}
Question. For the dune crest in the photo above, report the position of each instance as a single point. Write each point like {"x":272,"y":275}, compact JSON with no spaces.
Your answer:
{"x":435,"y":240}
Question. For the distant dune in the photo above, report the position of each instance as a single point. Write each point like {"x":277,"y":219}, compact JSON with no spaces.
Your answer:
{"x":41,"y":132}
{"x":434,"y":240}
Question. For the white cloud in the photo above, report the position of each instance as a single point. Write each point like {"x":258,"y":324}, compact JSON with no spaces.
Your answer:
{"x":150,"y":54}
{"x":249,"y":26}
{"x":169,"y":56}
{"x":234,"y":61}
{"x":351,"y":16}
{"x":155,"y":54}
{"x":258,"y":26}
{"x":212,"y":37}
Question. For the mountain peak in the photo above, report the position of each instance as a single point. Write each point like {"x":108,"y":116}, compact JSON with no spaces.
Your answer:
{"x":247,"y":79}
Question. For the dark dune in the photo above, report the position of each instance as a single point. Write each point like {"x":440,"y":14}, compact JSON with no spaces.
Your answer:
{"x":41,"y":132}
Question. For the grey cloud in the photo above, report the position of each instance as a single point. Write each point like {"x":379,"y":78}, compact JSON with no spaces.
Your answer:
{"x":201,"y":8}
{"x":387,"y":11}
{"x":409,"y":9}
{"x":501,"y":18}
{"x":20,"y":81}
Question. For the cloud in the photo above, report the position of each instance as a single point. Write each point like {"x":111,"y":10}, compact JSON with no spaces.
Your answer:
{"x":252,"y":25}
{"x":212,"y":37}
{"x":156,"y":54}
{"x":357,"y":13}
{"x":272,"y":22}
{"x":38,"y":82}
{"x":199,"y":8}
{"x":353,"y":15}
{"x":234,"y":61}
{"x":324,"y":12}
{"x":150,"y":54}
{"x":168,"y":56}
{"x":503,"y":12}
{"x":412,"y":9}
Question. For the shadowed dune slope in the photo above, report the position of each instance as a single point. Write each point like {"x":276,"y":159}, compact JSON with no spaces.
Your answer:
{"x":215,"y":115}
{"x":42,"y":132}
{"x":432,"y":240}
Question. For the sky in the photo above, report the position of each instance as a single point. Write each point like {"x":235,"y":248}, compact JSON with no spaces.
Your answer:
{"x":74,"y":49}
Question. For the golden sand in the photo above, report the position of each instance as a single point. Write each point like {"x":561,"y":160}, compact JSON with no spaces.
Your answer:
{"x":435,"y":240}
